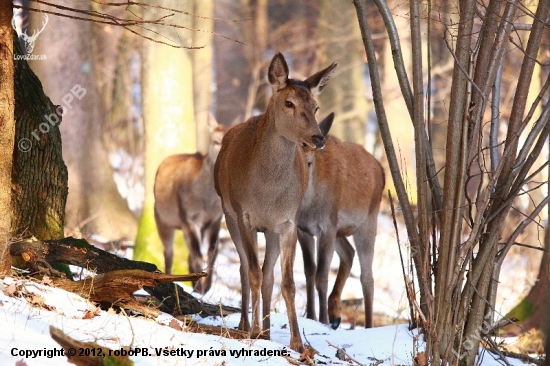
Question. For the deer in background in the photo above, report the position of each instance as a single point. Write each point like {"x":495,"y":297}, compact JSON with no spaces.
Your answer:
{"x":342,"y":199}
{"x":185,"y":199}
{"x":262,"y":175}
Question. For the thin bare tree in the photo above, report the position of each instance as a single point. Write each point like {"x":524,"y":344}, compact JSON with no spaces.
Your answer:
{"x":456,"y":229}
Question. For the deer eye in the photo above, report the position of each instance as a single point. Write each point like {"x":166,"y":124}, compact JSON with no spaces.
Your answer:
{"x":289,"y":104}
{"x":316,"y":109}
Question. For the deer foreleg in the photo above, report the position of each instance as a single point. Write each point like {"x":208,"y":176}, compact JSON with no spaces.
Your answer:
{"x":271,"y":254}
{"x":250,"y":249}
{"x":233,"y":228}
{"x":288,"y":237}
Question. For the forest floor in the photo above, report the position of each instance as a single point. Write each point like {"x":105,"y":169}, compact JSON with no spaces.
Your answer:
{"x":28,"y":308}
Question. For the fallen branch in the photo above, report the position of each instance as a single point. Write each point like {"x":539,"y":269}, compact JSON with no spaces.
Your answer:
{"x":73,"y":251}
{"x":95,"y":355}
{"x":174,"y":300}
{"x":116,"y":288}
{"x":117,"y":277}
{"x":220,"y":331}
{"x":343,"y":351}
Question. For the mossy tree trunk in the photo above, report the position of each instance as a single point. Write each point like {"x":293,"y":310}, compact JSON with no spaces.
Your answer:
{"x":169,"y":120}
{"x":40,"y":179}
{"x":532,"y":310}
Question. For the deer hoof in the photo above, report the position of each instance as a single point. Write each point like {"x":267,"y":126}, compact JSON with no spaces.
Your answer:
{"x":334,"y":324}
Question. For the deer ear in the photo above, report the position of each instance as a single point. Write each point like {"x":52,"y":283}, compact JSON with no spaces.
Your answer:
{"x":319,"y":80}
{"x":326,"y":124}
{"x":278,"y":72}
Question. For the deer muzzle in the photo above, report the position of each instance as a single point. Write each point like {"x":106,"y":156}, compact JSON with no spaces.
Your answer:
{"x":318,"y":141}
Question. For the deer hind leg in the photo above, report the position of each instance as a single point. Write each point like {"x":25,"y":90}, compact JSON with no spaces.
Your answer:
{"x":211,"y":233}
{"x":166,"y":235}
{"x":195,"y":260}
{"x":325,"y":252}
{"x":287,"y":240}
{"x":364,"y":242}
{"x":233,"y":228}
{"x":307,"y":243}
{"x":346,"y":253}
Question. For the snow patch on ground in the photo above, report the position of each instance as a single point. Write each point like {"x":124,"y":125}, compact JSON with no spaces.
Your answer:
{"x":25,"y":327}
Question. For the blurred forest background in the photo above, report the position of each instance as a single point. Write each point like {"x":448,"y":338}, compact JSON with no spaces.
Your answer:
{"x":146,"y":99}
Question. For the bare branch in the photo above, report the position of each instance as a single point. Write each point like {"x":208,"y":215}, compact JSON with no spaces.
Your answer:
{"x":521,"y":227}
{"x":104,"y":18}
{"x":130,"y":3}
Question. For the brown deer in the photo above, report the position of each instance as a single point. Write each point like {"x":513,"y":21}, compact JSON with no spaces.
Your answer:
{"x":185,"y":199}
{"x":342,"y":199}
{"x":262,"y":175}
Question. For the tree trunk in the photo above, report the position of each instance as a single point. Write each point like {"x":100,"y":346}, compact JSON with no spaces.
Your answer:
{"x":345,"y":96}
{"x":232,"y":68}
{"x":40,"y":175}
{"x":202,"y":60}
{"x":532,"y":310}
{"x":169,"y":120}
{"x":94,"y":205}
{"x":7,"y":132}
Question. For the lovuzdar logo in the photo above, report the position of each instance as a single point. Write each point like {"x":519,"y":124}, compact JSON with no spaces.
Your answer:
{"x":18,"y":23}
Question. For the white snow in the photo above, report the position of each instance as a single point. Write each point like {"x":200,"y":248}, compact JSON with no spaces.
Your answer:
{"x":25,"y":328}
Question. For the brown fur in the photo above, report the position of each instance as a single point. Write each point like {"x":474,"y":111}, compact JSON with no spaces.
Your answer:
{"x":185,"y":199}
{"x":261,"y":175}
{"x":342,"y":199}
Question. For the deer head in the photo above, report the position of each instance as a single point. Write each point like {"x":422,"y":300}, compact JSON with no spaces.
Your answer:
{"x":294,"y":104}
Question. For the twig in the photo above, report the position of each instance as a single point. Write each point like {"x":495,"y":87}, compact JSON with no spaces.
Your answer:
{"x":413,"y":318}
{"x":347,"y":354}
{"x":294,"y":361}
{"x":308,"y":343}
{"x":494,"y":349}
{"x":129,"y":3}
{"x":501,"y":323}
{"x":412,"y":298}
{"x":519,"y":356}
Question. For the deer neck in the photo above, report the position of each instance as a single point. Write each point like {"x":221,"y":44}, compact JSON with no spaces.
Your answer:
{"x":274,"y":149}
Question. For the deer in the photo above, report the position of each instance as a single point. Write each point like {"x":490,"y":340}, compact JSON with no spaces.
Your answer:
{"x":342,"y":199}
{"x":185,"y":199}
{"x":261,"y":175}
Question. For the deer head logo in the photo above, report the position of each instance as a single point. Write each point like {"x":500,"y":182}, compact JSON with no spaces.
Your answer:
{"x":29,"y":40}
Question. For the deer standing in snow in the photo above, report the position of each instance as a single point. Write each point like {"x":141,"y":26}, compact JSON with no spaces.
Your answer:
{"x":262,"y":175}
{"x":185,"y":199}
{"x":342,"y":199}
